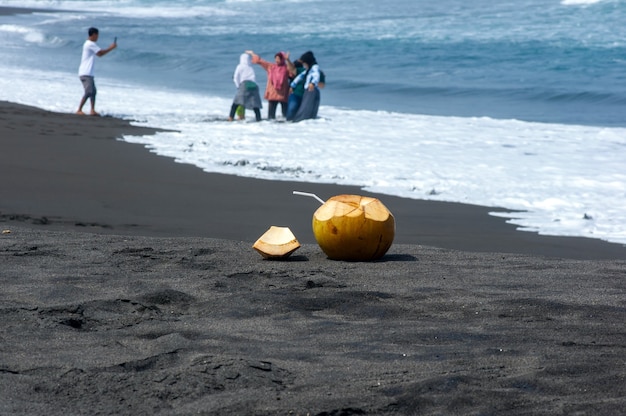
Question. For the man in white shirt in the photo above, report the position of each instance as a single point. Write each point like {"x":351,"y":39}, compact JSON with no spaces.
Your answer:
{"x":85,"y":71}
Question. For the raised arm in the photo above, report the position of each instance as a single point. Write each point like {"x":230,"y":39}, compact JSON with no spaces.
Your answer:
{"x":290,"y":66}
{"x":103,"y":52}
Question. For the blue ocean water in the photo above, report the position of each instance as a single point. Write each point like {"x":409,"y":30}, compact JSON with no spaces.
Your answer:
{"x":514,"y":104}
{"x":539,"y":60}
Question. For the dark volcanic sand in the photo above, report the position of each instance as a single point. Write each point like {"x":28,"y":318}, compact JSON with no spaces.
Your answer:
{"x":129,"y":286}
{"x":96,"y":324}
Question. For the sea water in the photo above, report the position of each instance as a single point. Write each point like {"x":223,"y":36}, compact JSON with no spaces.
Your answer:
{"x":513,"y":104}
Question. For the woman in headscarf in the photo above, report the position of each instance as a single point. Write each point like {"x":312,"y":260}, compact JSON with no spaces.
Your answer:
{"x":311,"y":98}
{"x":277,"y":89}
{"x":247,"y":90}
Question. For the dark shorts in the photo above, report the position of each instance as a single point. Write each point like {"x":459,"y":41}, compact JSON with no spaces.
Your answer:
{"x":89,"y":85}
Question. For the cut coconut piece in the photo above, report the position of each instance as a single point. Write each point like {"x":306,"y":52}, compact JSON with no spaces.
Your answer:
{"x":276,"y":243}
{"x":354,"y":228}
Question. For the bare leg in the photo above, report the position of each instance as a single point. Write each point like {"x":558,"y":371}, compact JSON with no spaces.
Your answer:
{"x":81,"y":105}
{"x":93,"y":107}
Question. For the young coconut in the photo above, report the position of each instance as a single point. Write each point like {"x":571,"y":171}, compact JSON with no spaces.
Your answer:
{"x":354,"y":228}
{"x":276,"y":243}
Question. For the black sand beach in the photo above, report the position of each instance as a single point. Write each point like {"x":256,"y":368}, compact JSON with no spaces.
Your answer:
{"x":64,"y":171}
{"x":129,"y":286}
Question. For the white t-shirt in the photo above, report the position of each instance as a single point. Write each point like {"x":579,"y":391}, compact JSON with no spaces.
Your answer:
{"x":90,"y":49}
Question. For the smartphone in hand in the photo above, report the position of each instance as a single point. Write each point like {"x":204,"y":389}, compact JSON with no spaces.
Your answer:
{"x":115,"y":40}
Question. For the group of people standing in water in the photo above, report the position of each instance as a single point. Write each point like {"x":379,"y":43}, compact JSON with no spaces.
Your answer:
{"x":295,"y":86}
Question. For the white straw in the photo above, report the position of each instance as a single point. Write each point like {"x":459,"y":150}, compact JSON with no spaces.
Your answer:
{"x":308,"y":194}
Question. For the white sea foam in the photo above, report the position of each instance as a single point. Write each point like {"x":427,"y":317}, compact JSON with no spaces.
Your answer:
{"x":172,"y":12}
{"x":579,"y":2}
{"x":565,"y":179}
{"x":14,"y":29}
{"x":23,"y":32}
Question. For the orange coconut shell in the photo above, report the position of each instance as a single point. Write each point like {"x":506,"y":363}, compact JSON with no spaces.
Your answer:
{"x":354,"y":228}
{"x":276,"y":243}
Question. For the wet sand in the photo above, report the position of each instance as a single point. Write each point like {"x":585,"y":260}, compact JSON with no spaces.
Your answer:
{"x":65,"y":171}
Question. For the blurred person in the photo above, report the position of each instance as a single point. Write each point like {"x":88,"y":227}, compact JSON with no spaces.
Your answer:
{"x":247,"y":94}
{"x":86,"y":69}
{"x":277,"y":88}
{"x":311,"y":97}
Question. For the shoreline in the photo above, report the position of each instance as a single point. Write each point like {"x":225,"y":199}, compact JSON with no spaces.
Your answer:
{"x":73,"y":175}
